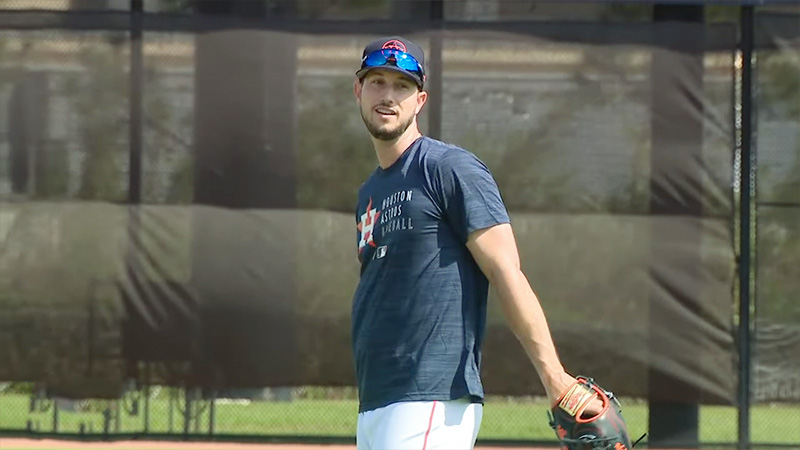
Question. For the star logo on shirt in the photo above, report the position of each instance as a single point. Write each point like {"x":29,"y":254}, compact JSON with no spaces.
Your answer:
{"x":367,"y":225}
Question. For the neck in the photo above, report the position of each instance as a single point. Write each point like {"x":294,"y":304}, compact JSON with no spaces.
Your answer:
{"x":389,"y":151}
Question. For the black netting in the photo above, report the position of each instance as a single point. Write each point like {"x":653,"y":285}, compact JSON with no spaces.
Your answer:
{"x":209,"y":288}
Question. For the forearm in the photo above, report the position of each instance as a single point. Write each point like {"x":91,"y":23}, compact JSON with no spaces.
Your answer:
{"x":495,"y":251}
{"x":527,"y":321}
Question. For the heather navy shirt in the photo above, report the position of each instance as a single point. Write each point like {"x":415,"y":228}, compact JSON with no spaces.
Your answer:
{"x":419,"y":311}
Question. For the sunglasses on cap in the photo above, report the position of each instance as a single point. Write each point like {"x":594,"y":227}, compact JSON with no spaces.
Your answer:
{"x":392,"y":57}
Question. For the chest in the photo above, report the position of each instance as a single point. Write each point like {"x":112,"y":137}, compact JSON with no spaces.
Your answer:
{"x":393,"y":212}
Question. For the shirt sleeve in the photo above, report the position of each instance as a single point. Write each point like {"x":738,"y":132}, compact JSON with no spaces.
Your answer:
{"x":468,"y":193}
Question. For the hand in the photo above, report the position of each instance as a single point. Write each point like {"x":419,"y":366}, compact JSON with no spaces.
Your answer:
{"x":562,"y":384}
{"x":594,"y":407}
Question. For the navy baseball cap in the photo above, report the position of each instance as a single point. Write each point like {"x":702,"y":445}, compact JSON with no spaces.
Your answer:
{"x":394,"y":53}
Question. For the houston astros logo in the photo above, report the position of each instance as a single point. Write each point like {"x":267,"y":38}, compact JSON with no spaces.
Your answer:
{"x":394,"y":44}
{"x":367,"y":225}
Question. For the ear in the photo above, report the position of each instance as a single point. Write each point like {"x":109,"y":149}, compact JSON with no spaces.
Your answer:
{"x":357,"y":86}
{"x":422,"y":98}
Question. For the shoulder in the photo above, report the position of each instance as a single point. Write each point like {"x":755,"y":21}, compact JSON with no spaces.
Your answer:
{"x":437,"y":155}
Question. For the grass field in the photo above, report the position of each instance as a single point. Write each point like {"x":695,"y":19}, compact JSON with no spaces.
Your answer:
{"x":503,"y":419}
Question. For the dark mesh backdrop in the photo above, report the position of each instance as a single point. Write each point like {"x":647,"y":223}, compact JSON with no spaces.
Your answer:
{"x":238,"y":268}
{"x":568,"y":130}
{"x":230,"y":263}
{"x":65,"y":119}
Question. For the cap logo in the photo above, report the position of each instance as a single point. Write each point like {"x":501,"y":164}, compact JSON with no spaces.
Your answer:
{"x":394,"y":44}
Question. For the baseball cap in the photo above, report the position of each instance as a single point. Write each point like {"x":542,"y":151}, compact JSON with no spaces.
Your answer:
{"x":394,"y":53}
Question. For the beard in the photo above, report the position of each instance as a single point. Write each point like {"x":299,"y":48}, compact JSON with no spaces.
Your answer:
{"x":385,"y":132}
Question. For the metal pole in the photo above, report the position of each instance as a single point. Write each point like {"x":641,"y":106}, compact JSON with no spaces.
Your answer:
{"x":171,"y":414}
{"x":187,"y":411}
{"x":118,"y":407}
{"x":436,"y":68}
{"x":135,"y":103}
{"x":90,"y":327}
{"x":106,"y":422}
{"x":55,"y":415}
{"x":147,"y":398}
{"x":212,"y":413}
{"x":747,"y":193}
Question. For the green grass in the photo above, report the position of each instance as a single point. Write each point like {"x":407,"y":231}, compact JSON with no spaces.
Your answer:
{"x":503,"y":419}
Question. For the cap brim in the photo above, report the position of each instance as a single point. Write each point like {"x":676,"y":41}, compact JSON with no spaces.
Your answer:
{"x":363,"y":72}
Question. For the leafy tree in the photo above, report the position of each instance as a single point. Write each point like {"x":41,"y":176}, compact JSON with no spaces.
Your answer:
{"x":778,"y":246}
{"x":780,"y":86}
{"x":334,"y":152}
{"x":532,"y":163}
{"x":99,"y":100}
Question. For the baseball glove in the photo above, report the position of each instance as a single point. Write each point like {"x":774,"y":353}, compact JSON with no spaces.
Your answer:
{"x":578,"y":431}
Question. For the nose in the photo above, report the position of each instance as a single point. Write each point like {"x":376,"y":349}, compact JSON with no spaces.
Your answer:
{"x":386,"y":101}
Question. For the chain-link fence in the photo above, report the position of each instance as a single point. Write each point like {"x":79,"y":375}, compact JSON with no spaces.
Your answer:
{"x":131,"y":186}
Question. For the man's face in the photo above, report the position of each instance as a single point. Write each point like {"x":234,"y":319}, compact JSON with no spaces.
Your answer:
{"x":389,"y":102}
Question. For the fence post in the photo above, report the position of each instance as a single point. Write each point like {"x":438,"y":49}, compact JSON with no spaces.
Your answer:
{"x":212,"y":413}
{"x":187,"y":411}
{"x":147,"y":399}
{"x":746,"y":193}
{"x":435,"y":80}
{"x":55,"y":416}
{"x":135,"y":99}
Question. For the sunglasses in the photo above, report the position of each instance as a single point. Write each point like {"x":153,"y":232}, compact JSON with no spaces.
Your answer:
{"x":393,"y":57}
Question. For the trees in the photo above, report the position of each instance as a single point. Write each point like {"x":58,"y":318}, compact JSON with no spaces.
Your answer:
{"x":778,"y":246}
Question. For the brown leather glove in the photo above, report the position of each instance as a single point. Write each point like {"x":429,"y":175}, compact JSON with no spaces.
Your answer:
{"x":605,"y":430}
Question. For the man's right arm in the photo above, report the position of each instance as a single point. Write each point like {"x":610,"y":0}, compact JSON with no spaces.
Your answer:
{"x":495,"y":251}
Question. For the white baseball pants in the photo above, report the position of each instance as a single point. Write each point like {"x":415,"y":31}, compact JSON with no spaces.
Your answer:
{"x":450,"y":425}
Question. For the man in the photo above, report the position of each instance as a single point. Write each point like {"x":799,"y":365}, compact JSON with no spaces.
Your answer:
{"x":432,"y":233}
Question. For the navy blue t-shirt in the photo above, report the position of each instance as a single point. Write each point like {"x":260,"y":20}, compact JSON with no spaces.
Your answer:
{"x":419,"y":311}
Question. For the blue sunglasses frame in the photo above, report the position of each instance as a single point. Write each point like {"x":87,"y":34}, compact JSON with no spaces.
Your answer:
{"x":394,"y":57}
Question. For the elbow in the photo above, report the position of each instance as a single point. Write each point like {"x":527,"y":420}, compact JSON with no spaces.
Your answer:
{"x":500,"y":274}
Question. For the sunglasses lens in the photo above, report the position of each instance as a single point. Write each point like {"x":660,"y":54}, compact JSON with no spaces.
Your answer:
{"x":375,"y":59}
{"x":407,"y":63}
{"x":395,"y":57}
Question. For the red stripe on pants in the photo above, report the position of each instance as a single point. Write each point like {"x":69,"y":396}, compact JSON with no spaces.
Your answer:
{"x":430,"y":425}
